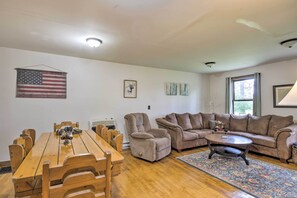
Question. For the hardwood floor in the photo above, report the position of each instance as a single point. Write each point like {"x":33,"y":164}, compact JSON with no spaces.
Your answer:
{"x":168,"y":177}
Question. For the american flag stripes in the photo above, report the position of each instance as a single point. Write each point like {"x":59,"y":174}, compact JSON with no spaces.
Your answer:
{"x":40,"y":84}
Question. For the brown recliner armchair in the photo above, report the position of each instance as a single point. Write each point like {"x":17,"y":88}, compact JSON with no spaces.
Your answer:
{"x":145,"y":142}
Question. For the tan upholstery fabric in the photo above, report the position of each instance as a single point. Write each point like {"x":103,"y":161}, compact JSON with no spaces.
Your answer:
{"x":189,"y":136}
{"x":171,"y":118}
{"x":257,"y":139}
{"x":225,"y":118}
{"x":258,"y":125}
{"x":278,"y":122}
{"x":238,"y":123}
{"x":201,"y":133}
{"x":183,"y":120}
{"x":206,"y":117}
{"x":196,"y":121}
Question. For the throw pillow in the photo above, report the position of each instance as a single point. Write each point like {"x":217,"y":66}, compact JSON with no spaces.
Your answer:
{"x":206,"y":117}
{"x":183,"y":120}
{"x":171,"y":118}
{"x":278,"y":122}
{"x":258,"y":125}
{"x":196,"y":121}
{"x":225,"y":118}
{"x":238,"y":122}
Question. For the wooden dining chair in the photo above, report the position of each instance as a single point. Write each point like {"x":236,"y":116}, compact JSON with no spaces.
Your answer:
{"x":99,"y":128}
{"x":116,"y":140}
{"x":65,"y":123}
{"x":17,"y":155}
{"x":79,"y":176}
{"x":31,"y":133}
{"x":25,"y":141}
{"x":106,"y":135}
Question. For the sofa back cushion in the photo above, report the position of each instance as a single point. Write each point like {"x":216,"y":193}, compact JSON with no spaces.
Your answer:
{"x":206,"y":117}
{"x":258,"y":125}
{"x":278,"y":122}
{"x":225,"y":118}
{"x":196,"y":121}
{"x":171,"y":118}
{"x":183,"y":120}
{"x":238,"y":122}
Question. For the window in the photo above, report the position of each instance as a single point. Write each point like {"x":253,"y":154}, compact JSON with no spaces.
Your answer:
{"x":243,"y":95}
{"x":243,"y":92}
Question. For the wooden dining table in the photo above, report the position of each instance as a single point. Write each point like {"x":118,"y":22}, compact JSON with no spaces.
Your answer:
{"x":49,"y":147}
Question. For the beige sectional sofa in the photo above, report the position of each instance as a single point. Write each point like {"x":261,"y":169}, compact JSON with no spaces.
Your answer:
{"x":272,"y":135}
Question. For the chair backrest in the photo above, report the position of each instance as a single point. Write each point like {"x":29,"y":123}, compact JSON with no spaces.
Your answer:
{"x":99,"y":128}
{"x":116,"y":140}
{"x":31,"y":133}
{"x":105,"y":135}
{"x":65,"y":123}
{"x":25,"y":141}
{"x":17,"y":155}
{"x":137,"y":122}
{"x":79,"y":176}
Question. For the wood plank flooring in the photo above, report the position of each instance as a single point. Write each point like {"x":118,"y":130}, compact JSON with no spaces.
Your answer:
{"x":168,"y":177}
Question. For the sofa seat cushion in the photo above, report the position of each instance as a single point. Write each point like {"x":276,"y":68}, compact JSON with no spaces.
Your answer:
{"x":171,"y":118}
{"x":196,"y":121}
{"x":187,"y":136}
{"x":258,"y":125}
{"x":183,"y":120}
{"x":162,"y":143}
{"x":201,"y":133}
{"x":238,"y":122}
{"x":278,"y":122}
{"x":257,"y":139}
{"x":206,"y":117}
{"x":225,"y":118}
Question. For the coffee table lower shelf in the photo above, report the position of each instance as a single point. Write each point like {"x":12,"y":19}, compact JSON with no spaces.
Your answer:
{"x":228,"y":151}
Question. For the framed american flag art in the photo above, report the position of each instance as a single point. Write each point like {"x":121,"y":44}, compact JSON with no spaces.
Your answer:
{"x":33,"y":83}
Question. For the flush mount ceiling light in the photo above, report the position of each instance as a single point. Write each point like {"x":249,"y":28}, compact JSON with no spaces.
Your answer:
{"x":93,"y":42}
{"x":289,"y":43}
{"x":210,"y":64}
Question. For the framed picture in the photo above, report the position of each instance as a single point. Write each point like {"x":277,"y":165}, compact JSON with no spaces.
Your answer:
{"x":130,"y":88}
{"x":279,"y":92}
{"x":184,"y":89}
{"x":171,"y":89}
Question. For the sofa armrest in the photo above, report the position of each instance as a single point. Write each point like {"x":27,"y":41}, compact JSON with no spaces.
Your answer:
{"x":175,"y":131}
{"x":166,"y":124}
{"x":284,"y":139}
{"x":291,"y":128}
{"x":142,"y":135}
{"x":158,"y":133}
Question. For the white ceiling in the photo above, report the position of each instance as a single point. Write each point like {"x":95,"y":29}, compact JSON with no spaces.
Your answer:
{"x":172,"y":34}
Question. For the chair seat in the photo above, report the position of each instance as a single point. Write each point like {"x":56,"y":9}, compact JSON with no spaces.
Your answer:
{"x":201,"y":132}
{"x":187,"y":136}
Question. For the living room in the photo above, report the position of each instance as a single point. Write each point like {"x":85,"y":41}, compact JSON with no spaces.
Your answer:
{"x":95,"y":78}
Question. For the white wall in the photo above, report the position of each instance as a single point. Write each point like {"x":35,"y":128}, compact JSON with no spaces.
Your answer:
{"x":94,"y":90}
{"x":271,"y":74}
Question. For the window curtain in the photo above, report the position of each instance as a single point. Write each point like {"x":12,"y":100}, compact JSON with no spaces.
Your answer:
{"x":228,"y":100}
{"x":257,"y":95}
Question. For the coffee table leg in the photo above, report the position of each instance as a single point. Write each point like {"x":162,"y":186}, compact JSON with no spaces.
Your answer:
{"x":243,"y":155}
{"x":211,"y":150}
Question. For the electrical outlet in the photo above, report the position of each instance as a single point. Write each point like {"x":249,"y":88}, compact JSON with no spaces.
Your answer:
{"x":149,"y":107}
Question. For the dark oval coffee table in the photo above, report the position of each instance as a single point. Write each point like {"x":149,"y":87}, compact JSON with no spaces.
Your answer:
{"x":228,"y":145}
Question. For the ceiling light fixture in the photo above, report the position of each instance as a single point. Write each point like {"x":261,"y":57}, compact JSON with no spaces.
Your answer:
{"x":93,"y":42}
{"x":289,"y":43}
{"x":210,"y":64}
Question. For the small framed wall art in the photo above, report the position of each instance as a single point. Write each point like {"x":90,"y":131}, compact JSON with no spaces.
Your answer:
{"x":130,"y":88}
{"x":279,"y":92}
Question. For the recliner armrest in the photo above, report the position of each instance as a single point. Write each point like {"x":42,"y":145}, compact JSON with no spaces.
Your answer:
{"x":158,"y":133}
{"x":142,"y":135}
